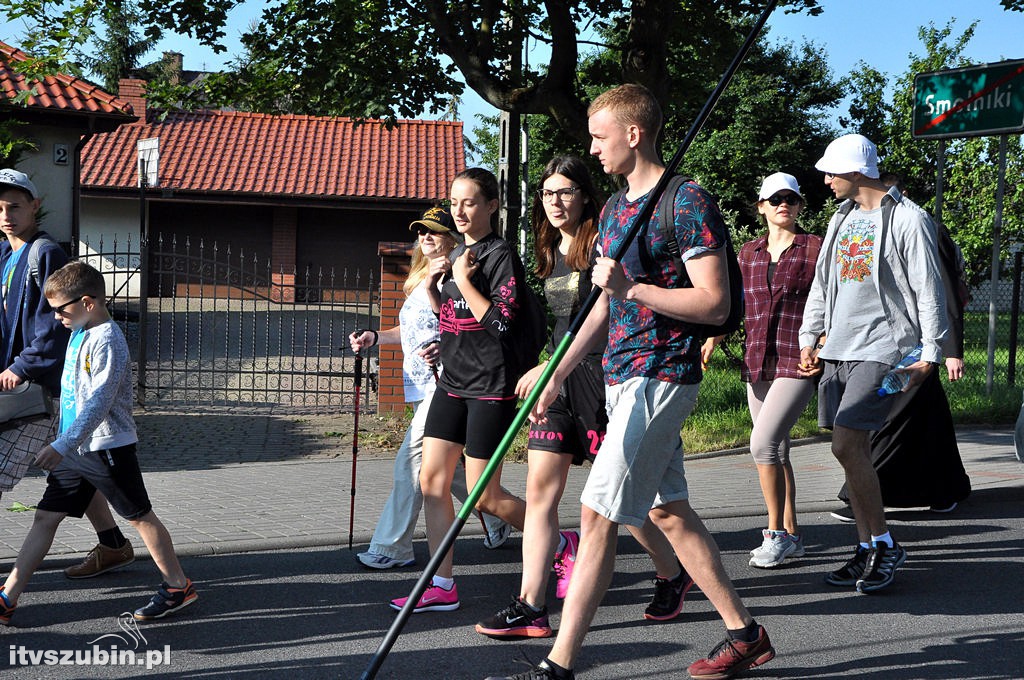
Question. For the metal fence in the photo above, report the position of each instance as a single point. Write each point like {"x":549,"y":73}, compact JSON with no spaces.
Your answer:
{"x":212,"y":326}
{"x":991,"y":334}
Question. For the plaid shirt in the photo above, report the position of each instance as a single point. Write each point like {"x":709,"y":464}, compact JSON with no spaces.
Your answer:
{"x":774,"y":312}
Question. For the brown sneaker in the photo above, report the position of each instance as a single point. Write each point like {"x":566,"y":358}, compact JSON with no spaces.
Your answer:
{"x":102,"y":559}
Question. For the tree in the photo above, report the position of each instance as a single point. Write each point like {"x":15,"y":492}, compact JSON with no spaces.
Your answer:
{"x":120,"y":48}
{"x":773,"y":116}
{"x":383,"y":58}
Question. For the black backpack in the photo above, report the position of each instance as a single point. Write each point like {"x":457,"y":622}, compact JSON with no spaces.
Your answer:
{"x":530,"y":328}
{"x":666,"y":212}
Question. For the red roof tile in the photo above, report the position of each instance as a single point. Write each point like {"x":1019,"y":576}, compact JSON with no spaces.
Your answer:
{"x":60,"y":92}
{"x":239,"y":152}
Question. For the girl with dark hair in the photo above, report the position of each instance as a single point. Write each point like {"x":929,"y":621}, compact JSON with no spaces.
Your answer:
{"x":565,"y":213}
{"x":475,"y":400}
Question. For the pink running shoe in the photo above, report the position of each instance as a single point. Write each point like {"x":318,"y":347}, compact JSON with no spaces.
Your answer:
{"x":564,"y":563}
{"x":435,"y":599}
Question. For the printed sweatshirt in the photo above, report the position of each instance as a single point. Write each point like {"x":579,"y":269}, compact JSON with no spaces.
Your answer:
{"x":102,"y":393}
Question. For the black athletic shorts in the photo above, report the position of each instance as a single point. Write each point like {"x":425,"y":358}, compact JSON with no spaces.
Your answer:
{"x":114,"y":472}
{"x":477,"y":424}
{"x":577,"y":418}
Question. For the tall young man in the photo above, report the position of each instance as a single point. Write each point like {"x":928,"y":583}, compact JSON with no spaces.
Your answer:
{"x":652,"y":372}
{"x":878,"y":273}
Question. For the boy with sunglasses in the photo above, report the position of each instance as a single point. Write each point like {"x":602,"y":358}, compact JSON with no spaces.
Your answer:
{"x":95,"y":448}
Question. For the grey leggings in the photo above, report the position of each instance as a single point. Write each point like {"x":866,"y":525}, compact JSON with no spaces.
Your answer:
{"x":775,"y":406}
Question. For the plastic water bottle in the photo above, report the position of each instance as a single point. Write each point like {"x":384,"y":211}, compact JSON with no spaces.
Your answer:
{"x":894,"y":381}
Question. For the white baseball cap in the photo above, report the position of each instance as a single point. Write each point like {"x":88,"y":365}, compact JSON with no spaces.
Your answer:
{"x":777,"y":182}
{"x":850,"y":153}
{"x":19,"y":180}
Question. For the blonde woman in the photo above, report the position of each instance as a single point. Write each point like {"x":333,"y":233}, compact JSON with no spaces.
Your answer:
{"x":417,"y":333}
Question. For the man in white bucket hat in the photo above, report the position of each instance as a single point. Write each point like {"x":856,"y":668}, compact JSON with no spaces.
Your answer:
{"x":877,"y":296}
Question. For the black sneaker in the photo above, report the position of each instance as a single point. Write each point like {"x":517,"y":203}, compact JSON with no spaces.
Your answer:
{"x":167,"y":601}
{"x":541,"y":671}
{"x":518,"y":620}
{"x":881,"y":567}
{"x":849,"y":573}
{"x":668,"y":596}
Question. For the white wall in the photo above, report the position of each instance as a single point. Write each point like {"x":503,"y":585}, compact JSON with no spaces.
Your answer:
{"x":109,"y":241}
{"x":53,"y":180}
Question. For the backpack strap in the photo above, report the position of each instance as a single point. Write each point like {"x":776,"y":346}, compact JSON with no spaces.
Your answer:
{"x":34,"y":255}
{"x":666,"y":221}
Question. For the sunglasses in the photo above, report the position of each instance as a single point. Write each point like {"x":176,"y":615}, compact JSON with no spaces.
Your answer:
{"x":59,"y":309}
{"x":788,"y":199}
{"x":423,"y":231}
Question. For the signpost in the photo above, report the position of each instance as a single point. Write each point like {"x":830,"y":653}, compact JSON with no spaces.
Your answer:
{"x":970,"y":102}
{"x":973,"y":102}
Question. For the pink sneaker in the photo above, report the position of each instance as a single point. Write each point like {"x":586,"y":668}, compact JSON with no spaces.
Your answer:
{"x":564,"y":563}
{"x":435,"y":599}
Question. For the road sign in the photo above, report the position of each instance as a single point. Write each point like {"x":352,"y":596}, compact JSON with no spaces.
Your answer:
{"x":969,"y":102}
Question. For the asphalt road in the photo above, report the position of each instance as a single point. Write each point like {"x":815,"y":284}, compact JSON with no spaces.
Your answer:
{"x":955,"y":611}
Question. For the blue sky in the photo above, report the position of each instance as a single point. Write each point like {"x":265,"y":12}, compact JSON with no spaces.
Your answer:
{"x":880,"y":32}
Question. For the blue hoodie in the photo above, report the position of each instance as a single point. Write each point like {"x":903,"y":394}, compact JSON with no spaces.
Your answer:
{"x":32,"y":340}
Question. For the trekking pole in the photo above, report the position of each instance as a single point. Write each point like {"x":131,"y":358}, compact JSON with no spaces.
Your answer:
{"x":355,"y":446}
{"x":574,"y":328}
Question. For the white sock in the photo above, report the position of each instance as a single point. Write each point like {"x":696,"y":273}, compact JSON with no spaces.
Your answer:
{"x":442,"y":582}
{"x":884,"y":538}
{"x":561,"y":542}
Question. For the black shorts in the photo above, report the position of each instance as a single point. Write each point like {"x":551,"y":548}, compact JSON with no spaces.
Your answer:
{"x":577,"y":418}
{"x":113,"y":472}
{"x":477,"y":424}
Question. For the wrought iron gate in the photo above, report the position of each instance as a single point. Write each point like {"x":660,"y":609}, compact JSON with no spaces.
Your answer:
{"x":210,"y":326}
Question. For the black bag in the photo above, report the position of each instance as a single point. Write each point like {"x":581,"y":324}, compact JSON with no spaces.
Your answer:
{"x":666,"y":225}
{"x":25,"y":402}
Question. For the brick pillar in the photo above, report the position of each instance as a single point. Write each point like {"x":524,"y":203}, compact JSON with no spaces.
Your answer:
{"x":282,"y":254}
{"x":394,"y":267}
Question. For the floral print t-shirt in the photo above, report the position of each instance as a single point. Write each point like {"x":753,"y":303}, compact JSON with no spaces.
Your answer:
{"x":642,"y":342}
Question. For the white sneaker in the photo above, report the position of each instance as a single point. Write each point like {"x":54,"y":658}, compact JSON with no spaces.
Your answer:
{"x":774,"y":551}
{"x":379,"y":561}
{"x":765,"y":545}
{"x":798,"y":541}
{"x":496,"y":539}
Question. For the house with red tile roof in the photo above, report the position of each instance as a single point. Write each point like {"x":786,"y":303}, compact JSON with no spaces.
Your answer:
{"x":299,"y":191}
{"x":61,"y":113}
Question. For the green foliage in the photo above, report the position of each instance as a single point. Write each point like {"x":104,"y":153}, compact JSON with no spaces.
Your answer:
{"x":773,"y":116}
{"x":118,"y":48}
{"x":12,"y":143}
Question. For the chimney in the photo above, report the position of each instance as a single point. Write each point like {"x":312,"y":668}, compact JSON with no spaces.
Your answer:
{"x":173,"y":62}
{"x":133,"y":91}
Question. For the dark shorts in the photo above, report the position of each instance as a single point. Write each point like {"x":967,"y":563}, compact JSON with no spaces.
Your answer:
{"x":848,"y":395}
{"x":478,"y":424}
{"x":577,"y":419}
{"x":113,"y":472}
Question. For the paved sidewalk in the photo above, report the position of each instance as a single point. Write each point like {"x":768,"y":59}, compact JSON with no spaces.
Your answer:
{"x":235,"y":483}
